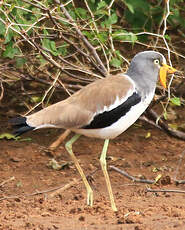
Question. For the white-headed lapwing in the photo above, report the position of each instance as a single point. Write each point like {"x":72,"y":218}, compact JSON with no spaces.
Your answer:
{"x":103,"y":109}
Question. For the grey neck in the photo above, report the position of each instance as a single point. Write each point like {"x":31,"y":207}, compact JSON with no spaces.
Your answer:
{"x":145,"y":81}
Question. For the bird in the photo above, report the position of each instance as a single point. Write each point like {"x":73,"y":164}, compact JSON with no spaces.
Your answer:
{"x":103,"y":109}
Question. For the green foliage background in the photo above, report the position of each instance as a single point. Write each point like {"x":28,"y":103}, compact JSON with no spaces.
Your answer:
{"x":126,"y":18}
{"x":37,"y":40}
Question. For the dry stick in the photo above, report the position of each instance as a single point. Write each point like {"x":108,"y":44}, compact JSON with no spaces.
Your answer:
{"x":60,"y":188}
{"x":97,"y":31}
{"x":65,"y":187}
{"x":165,"y":190}
{"x":45,"y":94}
{"x":122,"y":172}
{"x":87,"y":56}
{"x":25,"y":37}
{"x":49,"y":57}
{"x":157,"y":47}
{"x":35,"y":5}
{"x":167,"y":46}
{"x":175,"y":133}
{"x":30,"y":77}
{"x":144,"y":118}
{"x":2,"y":90}
{"x":102,"y":68}
{"x":177,"y":182}
{"x":6,"y":181}
{"x":75,"y":181}
{"x":60,"y":139}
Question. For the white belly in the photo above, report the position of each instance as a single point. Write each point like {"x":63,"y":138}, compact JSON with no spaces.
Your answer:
{"x":119,"y":126}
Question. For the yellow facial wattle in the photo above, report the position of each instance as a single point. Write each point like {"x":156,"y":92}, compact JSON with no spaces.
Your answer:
{"x":164,"y":69}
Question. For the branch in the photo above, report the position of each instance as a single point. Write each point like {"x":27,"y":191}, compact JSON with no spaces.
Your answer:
{"x":92,"y":50}
{"x":134,"y":179}
{"x":165,"y":190}
{"x":151,"y":114}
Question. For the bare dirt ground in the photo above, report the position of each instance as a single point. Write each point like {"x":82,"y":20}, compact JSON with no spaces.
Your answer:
{"x":27,"y":162}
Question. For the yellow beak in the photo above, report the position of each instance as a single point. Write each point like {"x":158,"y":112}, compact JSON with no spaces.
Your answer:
{"x":164,"y":69}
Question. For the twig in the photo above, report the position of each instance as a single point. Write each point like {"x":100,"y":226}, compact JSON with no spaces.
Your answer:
{"x":35,"y":5}
{"x":165,"y":190}
{"x":150,"y":46}
{"x":102,"y":68}
{"x":65,"y":187}
{"x":59,"y":189}
{"x":177,"y":182}
{"x":59,"y":140}
{"x":144,"y":118}
{"x":46,"y":93}
{"x":87,"y":56}
{"x":134,"y":179}
{"x":38,"y":192}
{"x":6,"y":181}
{"x":2,"y":90}
{"x":175,"y":133}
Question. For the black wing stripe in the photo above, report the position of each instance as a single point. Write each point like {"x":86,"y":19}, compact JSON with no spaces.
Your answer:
{"x":107,"y":118}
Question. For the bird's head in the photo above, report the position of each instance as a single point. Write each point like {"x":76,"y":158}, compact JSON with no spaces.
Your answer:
{"x":149,"y":65}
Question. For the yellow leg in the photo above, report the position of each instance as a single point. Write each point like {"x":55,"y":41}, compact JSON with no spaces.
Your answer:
{"x":70,"y":151}
{"x":106,"y":175}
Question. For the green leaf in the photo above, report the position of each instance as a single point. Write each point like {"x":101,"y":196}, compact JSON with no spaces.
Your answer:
{"x":2,"y":28}
{"x":36,"y":99}
{"x":113,"y":18}
{"x":50,"y":46}
{"x":53,"y":48}
{"x":167,"y":37}
{"x":26,"y":139}
{"x":165,"y":115}
{"x":102,"y":36}
{"x":8,"y":136}
{"x":62,"y":50}
{"x":130,"y":7}
{"x":20,"y":62}
{"x":110,"y":20}
{"x":176,"y":101}
{"x":81,"y":13}
{"x":123,"y":35}
{"x":141,"y":5}
{"x":88,"y":34}
{"x":72,"y":14}
{"x":10,"y":51}
{"x":101,"y":5}
{"x":115,"y":62}
{"x":9,"y":36}
{"x":141,"y":18}
{"x":42,"y":60}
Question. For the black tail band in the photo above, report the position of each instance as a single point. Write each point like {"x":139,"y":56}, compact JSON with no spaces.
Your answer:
{"x":20,"y":126}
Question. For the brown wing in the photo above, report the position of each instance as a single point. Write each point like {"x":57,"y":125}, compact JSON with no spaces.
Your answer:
{"x":79,"y":109}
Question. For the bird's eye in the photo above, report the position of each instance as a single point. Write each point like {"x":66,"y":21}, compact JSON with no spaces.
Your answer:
{"x":156,"y":61}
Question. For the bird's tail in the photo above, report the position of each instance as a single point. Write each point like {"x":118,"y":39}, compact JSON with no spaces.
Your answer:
{"x":20,"y":125}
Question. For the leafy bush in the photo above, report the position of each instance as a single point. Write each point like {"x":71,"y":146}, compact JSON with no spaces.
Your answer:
{"x":100,"y":22}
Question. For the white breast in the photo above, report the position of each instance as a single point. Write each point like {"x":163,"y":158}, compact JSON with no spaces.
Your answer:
{"x":119,"y":126}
